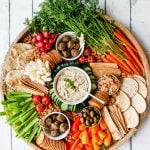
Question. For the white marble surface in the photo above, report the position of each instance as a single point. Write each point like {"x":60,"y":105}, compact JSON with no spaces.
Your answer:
{"x":134,"y":14}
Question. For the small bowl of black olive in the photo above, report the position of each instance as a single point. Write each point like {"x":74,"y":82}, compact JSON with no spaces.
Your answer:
{"x":70,"y":46}
{"x":90,"y":116}
{"x":56,"y":126}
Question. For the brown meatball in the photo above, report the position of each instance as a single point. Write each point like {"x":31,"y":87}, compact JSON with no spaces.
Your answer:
{"x":48,"y":121}
{"x":63,"y":127}
{"x":54,"y":126}
{"x":60,"y":118}
{"x":74,"y":52}
{"x":54,"y":133}
{"x":65,"y":53}
{"x":62,"y":46}
{"x":66,"y":39}
{"x":70,"y":44}
{"x":77,"y":46}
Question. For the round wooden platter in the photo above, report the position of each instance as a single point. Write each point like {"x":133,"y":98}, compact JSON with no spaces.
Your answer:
{"x":144,"y":60}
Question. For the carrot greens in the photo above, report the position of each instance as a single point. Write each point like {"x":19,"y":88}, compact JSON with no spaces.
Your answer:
{"x":80,"y":16}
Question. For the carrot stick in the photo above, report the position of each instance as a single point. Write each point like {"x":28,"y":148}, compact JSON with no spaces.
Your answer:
{"x":128,"y":57}
{"x":122,"y":38}
{"x":130,"y":51}
{"x":106,"y":60}
{"x":122,"y":47}
{"x":115,"y":61}
{"x":132,"y":67}
{"x":125,"y":66}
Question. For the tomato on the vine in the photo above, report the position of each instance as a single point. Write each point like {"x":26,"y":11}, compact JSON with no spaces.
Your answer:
{"x":82,"y":59}
{"x":36,"y":99}
{"x":46,"y":100}
{"x":40,"y":107}
{"x":87,"y":52}
{"x":92,"y":59}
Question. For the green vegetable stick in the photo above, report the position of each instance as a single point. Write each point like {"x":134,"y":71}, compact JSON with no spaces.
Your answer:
{"x":27,"y":127}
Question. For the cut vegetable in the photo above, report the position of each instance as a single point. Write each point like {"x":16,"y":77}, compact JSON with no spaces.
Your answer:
{"x":140,"y":78}
{"x":139,"y":103}
{"x":122,"y":101}
{"x":131,"y":117}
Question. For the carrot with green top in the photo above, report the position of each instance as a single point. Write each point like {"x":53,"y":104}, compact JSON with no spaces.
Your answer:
{"x":130,"y":51}
{"x":125,"y":66}
{"x":122,"y":38}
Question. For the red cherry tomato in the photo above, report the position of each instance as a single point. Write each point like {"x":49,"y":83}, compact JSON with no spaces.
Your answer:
{"x":40,"y":107}
{"x":46,"y":100}
{"x":87,"y":52}
{"x":92,"y":59}
{"x":48,"y":46}
{"x":41,"y":44}
{"x":82,"y":59}
{"x":53,"y":35}
{"x":51,"y":41}
{"x":39,"y":37}
{"x":36,"y":99}
{"x":45,"y":41}
{"x":43,"y":49}
{"x":47,"y":35}
{"x":34,"y":39}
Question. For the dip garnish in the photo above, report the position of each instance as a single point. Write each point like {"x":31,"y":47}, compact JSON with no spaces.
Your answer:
{"x":70,"y":83}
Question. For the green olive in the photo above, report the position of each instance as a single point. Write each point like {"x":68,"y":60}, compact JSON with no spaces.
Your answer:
{"x":87,"y":123}
{"x":95,"y":119}
{"x":92,"y":113}
{"x":84,"y":115}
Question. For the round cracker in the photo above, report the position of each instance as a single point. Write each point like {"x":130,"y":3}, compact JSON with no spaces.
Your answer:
{"x":139,"y":103}
{"x":122,"y":101}
{"x":131,"y":117}
{"x":142,"y":88}
{"x":129,"y":86}
{"x":140,"y":78}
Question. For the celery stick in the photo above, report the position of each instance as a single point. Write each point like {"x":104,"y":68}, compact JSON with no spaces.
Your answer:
{"x":27,"y":127}
{"x":38,"y":132}
{"x":33,"y":133}
{"x":26,"y":106}
{"x":25,"y":101}
{"x":3,"y":113}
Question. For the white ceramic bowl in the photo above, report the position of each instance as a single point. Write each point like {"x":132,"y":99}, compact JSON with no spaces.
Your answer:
{"x":72,"y":102}
{"x":61,"y":136}
{"x":71,"y":34}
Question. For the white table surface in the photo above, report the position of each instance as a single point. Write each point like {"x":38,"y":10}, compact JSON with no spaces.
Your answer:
{"x":134,"y":14}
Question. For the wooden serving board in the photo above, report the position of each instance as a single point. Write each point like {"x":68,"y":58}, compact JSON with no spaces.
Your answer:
{"x":146,"y":75}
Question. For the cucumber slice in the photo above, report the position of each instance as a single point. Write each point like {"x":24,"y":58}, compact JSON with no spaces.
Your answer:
{"x":64,"y":107}
{"x":94,"y":86}
{"x":92,"y":77}
{"x":87,"y":68}
{"x":89,"y":73}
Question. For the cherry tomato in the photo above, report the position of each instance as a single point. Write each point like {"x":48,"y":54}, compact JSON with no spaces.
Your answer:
{"x":36,"y":99}
{"x":92,"y":59}
{"x":47,"y":35}
{"x":53,"y":35}
{"x":40,"y":107}
{"x":82,"y":59}
{"x":34,"y":39}
{"x":43,"y":49}
{"x":48,"y":46}
{"x":41,"y":44}
{"x":51,"y":41}
{"x":45,"y":41}
{"x":46,"y":100}
{"x":87,"y":52}
{"x":39,"y":37}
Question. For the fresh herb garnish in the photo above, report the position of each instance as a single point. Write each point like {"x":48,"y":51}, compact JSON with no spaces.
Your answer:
{"x":70,"y":83}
